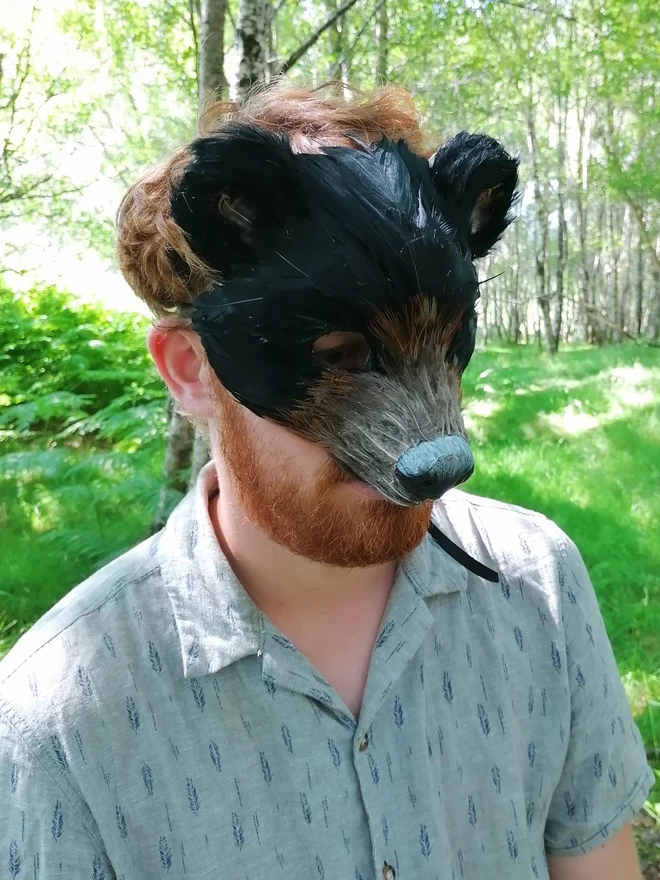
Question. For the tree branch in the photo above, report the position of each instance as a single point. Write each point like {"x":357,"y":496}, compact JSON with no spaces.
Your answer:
{"x":307,"y":45}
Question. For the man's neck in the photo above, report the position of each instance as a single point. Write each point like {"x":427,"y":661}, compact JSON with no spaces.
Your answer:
{"x":280,"y":582}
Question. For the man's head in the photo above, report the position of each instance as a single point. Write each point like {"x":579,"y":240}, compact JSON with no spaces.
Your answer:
{"x":325,"y":264}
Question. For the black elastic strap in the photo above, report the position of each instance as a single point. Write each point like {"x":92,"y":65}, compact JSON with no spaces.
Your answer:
{"x":462,"y":557}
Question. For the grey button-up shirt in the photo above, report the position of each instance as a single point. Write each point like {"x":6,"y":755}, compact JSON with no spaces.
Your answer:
{"x":155,"y":724}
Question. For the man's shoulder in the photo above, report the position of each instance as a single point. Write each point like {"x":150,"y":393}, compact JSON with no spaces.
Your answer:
{"x":513,"y":538}
{"x":96,"y":612}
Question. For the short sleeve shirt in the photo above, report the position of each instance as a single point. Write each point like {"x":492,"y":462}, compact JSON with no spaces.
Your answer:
{"x":156,"y":724}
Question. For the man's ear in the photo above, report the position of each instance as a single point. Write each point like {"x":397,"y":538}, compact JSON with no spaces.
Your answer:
{"x":475,"y":179}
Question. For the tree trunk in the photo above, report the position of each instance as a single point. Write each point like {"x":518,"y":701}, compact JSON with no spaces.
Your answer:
{"x":639,"y":289}
{"x":177,"y":460}
{"x":382,"y":40}
{"x":542,"y":221}
{"x":562,"y":233}
{"x":252,"y":39}
{"x":212,"y":48}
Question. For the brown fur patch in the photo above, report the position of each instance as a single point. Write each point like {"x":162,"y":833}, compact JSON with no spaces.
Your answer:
{"x":417,"y":326}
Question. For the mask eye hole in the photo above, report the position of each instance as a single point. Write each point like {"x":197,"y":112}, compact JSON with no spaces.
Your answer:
{"x":343,"y":351}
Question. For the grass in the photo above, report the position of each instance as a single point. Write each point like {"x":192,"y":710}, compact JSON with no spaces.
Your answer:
{"x":576,"y":437}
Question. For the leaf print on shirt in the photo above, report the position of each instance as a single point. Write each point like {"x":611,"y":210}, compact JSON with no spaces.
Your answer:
{"x":121,"y":823}
{"x":269,"y":684}
{"x":14,"y":859}
{"x":154,"y":659}
{"x":513,"y":846}
{"x":306,"y":811}
{"x":500,"y":715}
{"x":570,"y":804}
{"x":214,"y":753}
{"x":529,"y":814}
{"x":506,"y":589}
{"x":497,"y":779}
{"x":319,"y":868}
{"x":133,"y":714}
{"x":398,"y":713}
{"x":57,"y":822}
{"x":517,"y":634}
{"x":193,"y":800}
{"x":286,"y":737}
{"x":239,"y":838}
{"x":13,"y":777}
{"x":148,"y":779}
{"x":472,"y":812}
{"x":447,"y":688}
{"x":425,"y":843}
{"x":468,"y":654}
{"x":385,"y":634}
{"x":84,"y":681}
{"x":531,"y":753}
{"x":612,"y":776}
{"x":284,"y":642}
{"x":385,"y":829}
{"x":198,"y":694}
{"x":165,"y":854}
{"x":265,"y":768}
{"x":530,"y":701}
{"x":598,"y":766}
{"x":554,"y":653}
{"x":334,"y":752}
{"x":590,"y":633}
{"x":97,"y":869}
{"x":59,"y":751}
{"x":579,"y":677}
{"x":107,"y":641}
{"x":483,"y":720}
{"x":193,"y":652}
{"x":375,"y":775}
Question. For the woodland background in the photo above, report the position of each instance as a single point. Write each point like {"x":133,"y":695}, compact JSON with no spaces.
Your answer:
{"x":562,"y":396}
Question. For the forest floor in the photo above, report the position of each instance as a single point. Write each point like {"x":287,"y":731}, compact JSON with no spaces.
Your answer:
{"x":575,"y":437}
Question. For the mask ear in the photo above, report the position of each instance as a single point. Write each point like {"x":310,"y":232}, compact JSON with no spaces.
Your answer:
{"x":234,"y":185}
{"x":475,"y":179}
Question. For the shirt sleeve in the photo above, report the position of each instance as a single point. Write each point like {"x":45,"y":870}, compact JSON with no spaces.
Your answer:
{"x":41,"y":832}
{"x":606,"y":778}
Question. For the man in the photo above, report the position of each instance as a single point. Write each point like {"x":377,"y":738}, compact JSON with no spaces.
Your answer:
{"x":330,"y":662}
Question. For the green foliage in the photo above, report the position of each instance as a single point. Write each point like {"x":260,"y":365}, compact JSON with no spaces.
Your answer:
{"x":82,"y":428}
{"x":74,"y":369}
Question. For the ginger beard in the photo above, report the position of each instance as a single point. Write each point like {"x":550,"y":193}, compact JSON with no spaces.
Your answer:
{"x":326,"y":522}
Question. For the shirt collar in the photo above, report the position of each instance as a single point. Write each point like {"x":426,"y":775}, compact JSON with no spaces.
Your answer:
{"x":215,"y":620}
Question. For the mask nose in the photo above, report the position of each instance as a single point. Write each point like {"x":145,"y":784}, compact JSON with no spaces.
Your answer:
{"x":429,"y":469}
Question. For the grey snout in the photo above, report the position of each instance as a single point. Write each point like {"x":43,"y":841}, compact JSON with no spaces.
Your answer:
{"x":429,"y":469}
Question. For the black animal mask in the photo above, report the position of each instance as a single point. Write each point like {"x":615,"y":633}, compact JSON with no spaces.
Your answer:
{"x":374,"y":242}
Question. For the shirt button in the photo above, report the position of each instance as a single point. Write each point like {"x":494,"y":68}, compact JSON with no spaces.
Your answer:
{"x":388,"y":872}
{"x":363,"y":745}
